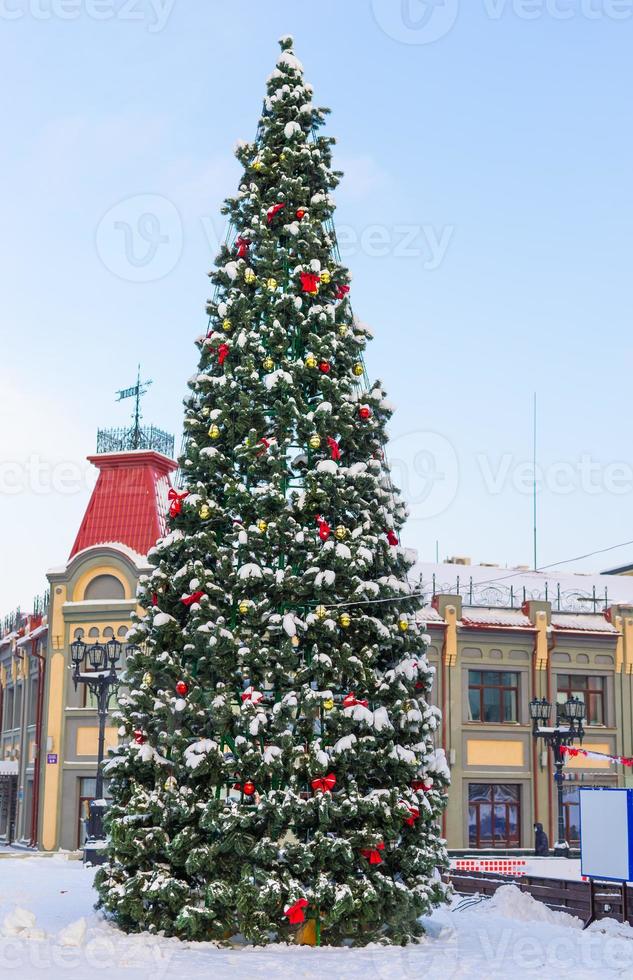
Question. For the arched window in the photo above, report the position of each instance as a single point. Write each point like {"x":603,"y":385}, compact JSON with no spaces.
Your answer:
{"x":104,"y":587}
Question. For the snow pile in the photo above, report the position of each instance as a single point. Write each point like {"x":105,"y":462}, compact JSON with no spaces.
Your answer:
{"x":511,"y":903}
{"x":22,"y":923}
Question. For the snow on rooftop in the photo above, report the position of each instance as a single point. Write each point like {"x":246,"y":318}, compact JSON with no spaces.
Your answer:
{"x":483,"y":616}
{"x":589,"y":621}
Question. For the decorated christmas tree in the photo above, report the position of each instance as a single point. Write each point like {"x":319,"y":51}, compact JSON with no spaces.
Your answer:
{"x":278,"y":778}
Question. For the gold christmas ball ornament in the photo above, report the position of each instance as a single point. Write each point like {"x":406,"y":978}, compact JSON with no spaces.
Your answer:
{"x":205,"y":512}
{"x":268,"y":364}
{"x":340,"y":532}
{"x":262,"y":526}
{"x":244,"y":606}
{"x":214,"y":431}
{"x":171,"y":783}
{"x":147,"y":679}
{"x":257,"y":165}
{"x":342,"y":330}
{"x":345,"y":620}
{"x":271,"y":285}
{"x":320,"y":612}
{"x":328,"y":704}
{"x":227,"y":326}
{"x":295,"y":641}
{"x":358,"y":369}
{"x":315,"y":441}
{"x":326,"y":277}
{"x":249,"y":275}
{"x":311,"y":361}
{"x":403,"y":624}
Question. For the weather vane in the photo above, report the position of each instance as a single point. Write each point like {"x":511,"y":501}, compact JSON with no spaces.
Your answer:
{"x":136,"y":391}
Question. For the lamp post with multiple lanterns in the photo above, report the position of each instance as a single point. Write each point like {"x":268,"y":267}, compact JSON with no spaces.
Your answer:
{"x":95,"y":666}
{"x":569,"y":718}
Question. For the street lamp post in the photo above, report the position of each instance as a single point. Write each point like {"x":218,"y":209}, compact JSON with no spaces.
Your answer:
{"x":95,"y":666}
{"x":568,"y":728}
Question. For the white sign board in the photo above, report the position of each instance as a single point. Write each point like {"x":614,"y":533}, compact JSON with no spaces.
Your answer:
{"x":606,"y":834}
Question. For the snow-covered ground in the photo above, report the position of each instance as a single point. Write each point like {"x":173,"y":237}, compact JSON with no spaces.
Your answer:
{"x":49,"y":929}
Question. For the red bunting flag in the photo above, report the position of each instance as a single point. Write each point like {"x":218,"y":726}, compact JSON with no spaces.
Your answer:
{"x":243,"y":246}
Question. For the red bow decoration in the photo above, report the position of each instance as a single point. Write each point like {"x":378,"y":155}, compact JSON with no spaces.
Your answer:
{"x":274,"y":210}
{"x":154,"y":598}
{"x":223,"y":353}
{"x":324,"y":784}
{"x":324,"y":528}
{"x":189,"y":600}
{"x":310,"y":282}
{"x":176,"y":501}
{"x":420,"y":784}
{"x":342,"y":292}
{"x":350,"y":701}
{"x":243,"y":246}
{"x":335,"y":452}
{"x":391,"y":537}
{"x":265,"y":443}
{"x":250,"y":694}
{"x":296,"y":913}
{"x":414,"y":814}
{"x":373,"y":854}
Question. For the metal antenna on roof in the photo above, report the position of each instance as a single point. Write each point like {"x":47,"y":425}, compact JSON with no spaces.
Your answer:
{"x":534,"y":512}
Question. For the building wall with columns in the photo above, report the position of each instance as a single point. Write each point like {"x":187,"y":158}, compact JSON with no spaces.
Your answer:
{"x":500,"y":775}
{"x":92,"y":598}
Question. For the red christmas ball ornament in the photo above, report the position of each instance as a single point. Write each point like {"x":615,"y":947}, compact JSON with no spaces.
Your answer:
{"x":364,"y":412}
{"x":182,"y":688}
{"x":139,"y":737}
{"x":324,"y":367}
{"x":300,"y":213}
{"x":248,"y":788}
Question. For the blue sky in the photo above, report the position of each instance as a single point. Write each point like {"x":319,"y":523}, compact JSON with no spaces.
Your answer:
{"x":486,"y":215}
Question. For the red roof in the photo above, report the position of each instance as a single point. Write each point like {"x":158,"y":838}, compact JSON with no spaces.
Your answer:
{"x":129,"y":502}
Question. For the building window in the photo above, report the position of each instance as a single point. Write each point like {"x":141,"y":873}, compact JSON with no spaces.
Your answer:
{"x":7,"y":715}
{"x":589,"y":689}
{"x":104,"y":587}
{"x":493,"y":695}
{"x":494,"y":815}
{"x":571,"y":811}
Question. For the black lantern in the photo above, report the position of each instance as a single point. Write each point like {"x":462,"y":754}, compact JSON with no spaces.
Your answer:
{"x":113,"y":652}
{"x":77,"y":652}
{"x":540,"y":711}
